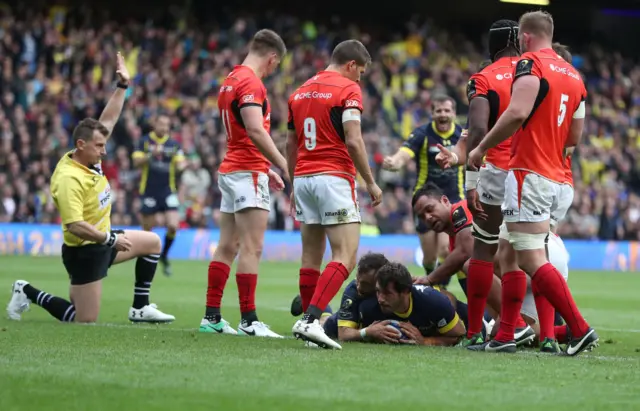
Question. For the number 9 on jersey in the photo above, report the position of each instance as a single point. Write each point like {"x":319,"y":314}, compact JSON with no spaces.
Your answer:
{"x":309,"y":133}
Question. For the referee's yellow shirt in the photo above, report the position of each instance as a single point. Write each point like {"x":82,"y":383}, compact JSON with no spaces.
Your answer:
{"x":81,"y":194}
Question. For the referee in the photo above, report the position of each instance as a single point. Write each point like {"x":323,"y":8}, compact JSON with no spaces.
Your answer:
{"x":83,"y":197}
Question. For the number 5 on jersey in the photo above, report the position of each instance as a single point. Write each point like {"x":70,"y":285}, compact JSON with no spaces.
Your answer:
{"x":309,"y":133}
{"x":563,"y":108}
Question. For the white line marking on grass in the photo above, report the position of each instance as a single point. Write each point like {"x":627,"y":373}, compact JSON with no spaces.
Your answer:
{"x":617,"y":330}
{"x":589,"y":356}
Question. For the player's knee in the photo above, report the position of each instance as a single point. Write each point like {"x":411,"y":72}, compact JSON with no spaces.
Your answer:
{"x":155,"y":244}
{"x":227,"y":251}
{"x":530,"y":249}
{"x":172,"y":228}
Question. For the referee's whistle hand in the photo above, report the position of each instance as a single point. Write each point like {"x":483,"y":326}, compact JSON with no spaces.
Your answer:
{"x":122,"y":244}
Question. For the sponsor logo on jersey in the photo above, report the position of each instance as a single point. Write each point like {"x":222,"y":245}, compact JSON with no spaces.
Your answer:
{"x":507,"y":76}
{"x":248,"y":98}
{"x":564,"y":70}
{"x":351,"y":103}
{"x":313,"y":94}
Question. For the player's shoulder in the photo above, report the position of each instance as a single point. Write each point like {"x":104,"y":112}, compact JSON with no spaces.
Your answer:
{"x":420,"y":131}
{"x":460,"y":215}
{"x":422,"y":291}
{"x":351,"y":288}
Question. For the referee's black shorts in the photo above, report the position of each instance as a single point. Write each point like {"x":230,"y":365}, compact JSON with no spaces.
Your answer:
{"x":88,"y":263}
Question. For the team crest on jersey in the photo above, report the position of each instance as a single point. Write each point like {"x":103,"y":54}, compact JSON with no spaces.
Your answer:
{"x":525,"y":66}
{"x":347,"y":304}
{"x":459,"y":217}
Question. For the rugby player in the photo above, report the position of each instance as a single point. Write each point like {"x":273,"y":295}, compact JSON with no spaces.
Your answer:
{"x":422,"y":147}
{"x":160,"y":158}
{"x":244,"y":180}
{"x":324,"y":150}
{"x":545,"y":116}
{"x":360,"y":294}
{"x":430,"y":205}
{"x":426,"y":316}
{"x":83,"y":197}
{"x":489,"y":92}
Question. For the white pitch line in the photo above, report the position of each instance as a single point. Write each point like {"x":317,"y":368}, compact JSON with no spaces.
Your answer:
{"x":589,"y":356}
{"x":617,"y":330}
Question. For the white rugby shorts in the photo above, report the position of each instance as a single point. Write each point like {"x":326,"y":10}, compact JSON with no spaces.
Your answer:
{"x":565,"y":200}
{"x":326,"y":199}
{"x":245,"y":189}
{"x":530,"y":199}
{"x":559,"y":258}
{"x":491,"y":185}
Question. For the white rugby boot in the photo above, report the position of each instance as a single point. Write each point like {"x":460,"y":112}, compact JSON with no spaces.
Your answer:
{"x":149,"y":314}
{"x":257,"y":329}
{"x":19,"y":302}
{"x":314,"y":333}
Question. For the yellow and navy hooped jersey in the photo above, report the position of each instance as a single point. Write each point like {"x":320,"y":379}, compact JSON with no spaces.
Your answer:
{"x":430,"y":311}
{"x":422,"y":146}
{"x":159,"y":174}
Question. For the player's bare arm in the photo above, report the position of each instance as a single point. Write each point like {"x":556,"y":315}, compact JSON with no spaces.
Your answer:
{"x":577,"y":127}
{"x":358,"y":152}
{"x":87,"y":232}
{"x":479,"y":111}
{"x":254,"y":124}
{"x":111,"y":112}
{"x":525,"y":91}
{"x":291,"y":151}
{"x":455,"y":260}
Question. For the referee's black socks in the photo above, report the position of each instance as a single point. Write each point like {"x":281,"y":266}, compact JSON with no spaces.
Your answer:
{"x":145,"y":270}
{"x":58,"y":307}
{"x":168,"y":242}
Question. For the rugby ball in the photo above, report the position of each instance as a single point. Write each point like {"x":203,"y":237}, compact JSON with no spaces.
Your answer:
{"x":395,"y":325}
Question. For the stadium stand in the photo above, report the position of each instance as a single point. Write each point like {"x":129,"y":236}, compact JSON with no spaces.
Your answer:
{"x":54,"y":73}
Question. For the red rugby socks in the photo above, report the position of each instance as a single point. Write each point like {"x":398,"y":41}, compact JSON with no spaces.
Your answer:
{"x":514,"y":288}
{"x":479,"y":281}
{"x":307,"y":284}
{"x":218,"y":276}
{"x":328,"y":286}
{"x":546,"y":313}
{"x":549,"y":282}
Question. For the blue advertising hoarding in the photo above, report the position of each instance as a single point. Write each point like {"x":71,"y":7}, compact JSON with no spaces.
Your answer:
{"x":199,"y":244}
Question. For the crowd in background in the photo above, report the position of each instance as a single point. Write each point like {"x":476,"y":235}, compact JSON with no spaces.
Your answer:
{"x":53,"y":73}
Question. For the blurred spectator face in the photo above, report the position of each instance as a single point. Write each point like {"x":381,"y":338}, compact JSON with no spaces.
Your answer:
{"x":162,"y":125}
{"x":434,"y":211}
{"x":443,"y":115}
{"x":195,"y":163}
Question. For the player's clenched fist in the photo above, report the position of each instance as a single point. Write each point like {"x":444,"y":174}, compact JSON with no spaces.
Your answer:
{"x":376,"y":194}
{"x":475,"y":158}
{"x":390,"y":163}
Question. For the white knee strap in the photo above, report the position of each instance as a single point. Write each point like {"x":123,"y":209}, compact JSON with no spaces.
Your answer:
{"x":484,"y":236}
{"x":504,"y":233}
{"x":523,"y":241}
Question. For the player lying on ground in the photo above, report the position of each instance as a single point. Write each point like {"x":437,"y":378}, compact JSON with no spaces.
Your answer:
{"x":420,"y":146}
{"x":82,"y":195}
{"x":434,"y":208}
{"x":160,"y":158}
{"x":358,"y":308}
{"x":324,"y":150}
{"x":546,"y":91}
{"x":244,"y":180}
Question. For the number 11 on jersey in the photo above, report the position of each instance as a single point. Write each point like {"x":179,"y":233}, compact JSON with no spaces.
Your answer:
{"x":309,"y":133}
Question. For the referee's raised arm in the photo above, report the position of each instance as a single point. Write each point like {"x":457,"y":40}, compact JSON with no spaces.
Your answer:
{"x":112,"y":111}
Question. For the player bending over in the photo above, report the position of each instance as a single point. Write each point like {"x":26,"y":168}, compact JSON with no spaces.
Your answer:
{"x":545,"y":117}
{"x":430,"y":205}
{"x":82,"y":195}
{"x":244,"y":180}
{"x":160,"y":158}
{"x":421,"y":147}
{"x":324,"y":150}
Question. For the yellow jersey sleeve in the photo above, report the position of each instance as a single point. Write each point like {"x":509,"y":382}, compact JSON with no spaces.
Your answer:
{"x":70,"y":200}
{"x":449,"y":326}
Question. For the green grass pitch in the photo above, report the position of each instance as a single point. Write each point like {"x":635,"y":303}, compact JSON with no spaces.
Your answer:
{"x":119,"y":366}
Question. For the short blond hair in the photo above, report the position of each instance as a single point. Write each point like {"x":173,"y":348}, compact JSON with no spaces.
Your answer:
{"x":539,"y":23}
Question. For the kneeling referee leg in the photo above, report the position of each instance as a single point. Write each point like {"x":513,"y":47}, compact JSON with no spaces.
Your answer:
{"x":146,"y":246}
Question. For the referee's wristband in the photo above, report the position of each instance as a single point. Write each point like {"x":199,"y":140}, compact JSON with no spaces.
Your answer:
{"x":111,"y":239}
{"x":471,"y":180}
{"x":363,"y":333}
{"x":122,"y":85}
